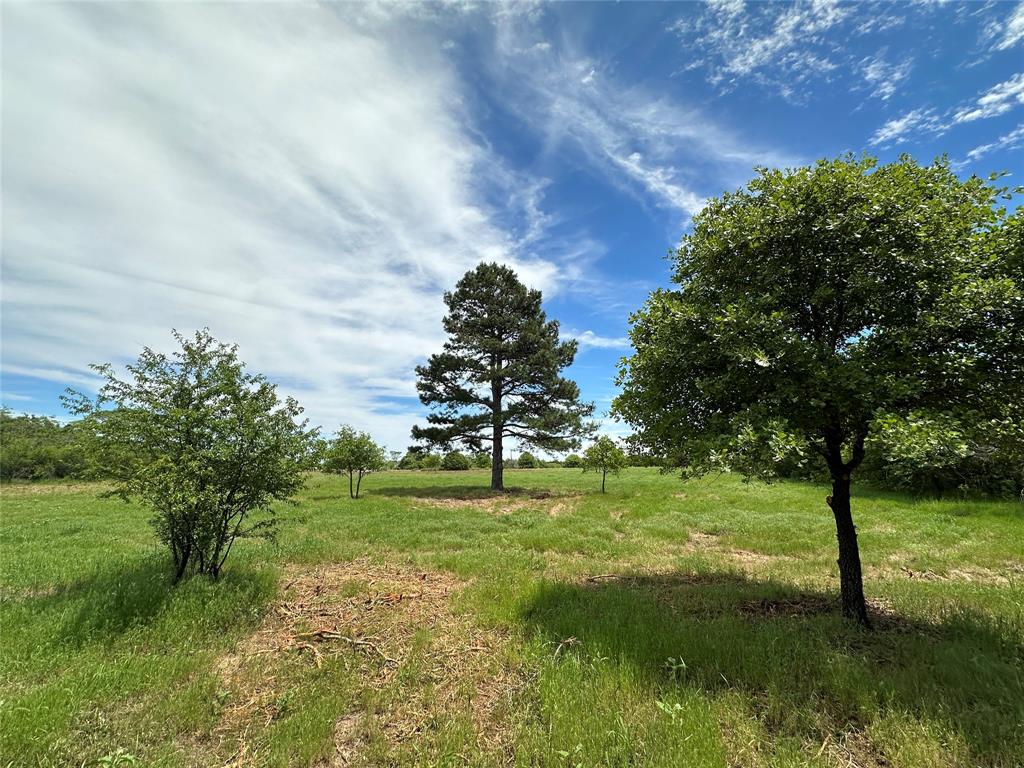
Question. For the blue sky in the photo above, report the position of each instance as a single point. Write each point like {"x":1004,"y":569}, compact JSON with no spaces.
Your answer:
{"x":307,"y":180}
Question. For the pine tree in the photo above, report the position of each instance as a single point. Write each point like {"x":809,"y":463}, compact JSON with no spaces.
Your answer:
{"x":499,"y":373}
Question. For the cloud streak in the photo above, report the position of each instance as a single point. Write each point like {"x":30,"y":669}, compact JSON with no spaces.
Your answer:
{"x":301,"y":183}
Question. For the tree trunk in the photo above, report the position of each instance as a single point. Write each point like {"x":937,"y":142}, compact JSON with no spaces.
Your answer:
{"x":497,"y":449}
{"x":603,"y":476}
{"x":851,"y":582}
{"x":351,"y":495}
{"x":183,"y":562}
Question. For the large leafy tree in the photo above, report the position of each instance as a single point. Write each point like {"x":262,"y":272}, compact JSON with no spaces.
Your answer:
{"x":207,"y":446}
{"x":499,"y":375}
{"x":818,"y":301}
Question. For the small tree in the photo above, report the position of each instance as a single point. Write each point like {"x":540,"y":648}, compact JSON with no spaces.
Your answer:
{"x":201,"y":442}
{"x":455,"y":461}
{"x":355,"y":454}
{"x":572,"y":461}
{"x":606,"y":457}
{"x":482,"y":460}
{"x":430,"y":461}
{"x":527,"y":461}
{"x":500,"y":372}
{"x":817,"y":302}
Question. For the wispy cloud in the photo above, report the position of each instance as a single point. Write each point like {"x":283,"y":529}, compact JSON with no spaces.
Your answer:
{"x":883,"y":77}
{"x":898,"y":129}
{"x":1011,"y":31}
{"x":640,"y":141}
{"x":997,"y":100}
{"x":1012,"y":140}
{"x":777,"y":45}
{"x":304,"y":184}
{"x":591,"y":339}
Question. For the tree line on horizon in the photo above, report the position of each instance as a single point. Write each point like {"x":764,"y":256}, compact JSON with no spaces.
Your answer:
{"x":838,"y":320}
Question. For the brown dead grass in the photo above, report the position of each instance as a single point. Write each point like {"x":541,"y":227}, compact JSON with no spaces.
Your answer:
{"x":395,"y":628}
{"x":745,"y":558}
{"x":972,"y":574}
{"x":506,"y":503}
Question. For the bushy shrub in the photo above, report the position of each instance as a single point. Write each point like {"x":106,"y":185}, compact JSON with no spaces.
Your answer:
{"x":205,"y":445}
{"x":527,"y":461}
{"x":455,"y":461}
{"x":40,"y":448}
{"x":430,"y":461}
{"x":572,"y":461}
{"x":482,"y":460}
{"x":938,"y":453}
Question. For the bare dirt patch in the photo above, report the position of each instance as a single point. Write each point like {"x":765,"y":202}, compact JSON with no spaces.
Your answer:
{"x":395,"y":630}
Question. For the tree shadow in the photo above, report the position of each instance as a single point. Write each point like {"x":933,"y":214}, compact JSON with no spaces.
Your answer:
{"x":118,"y":598}
{"x":468,"y":492}
{"x":799,"y":663}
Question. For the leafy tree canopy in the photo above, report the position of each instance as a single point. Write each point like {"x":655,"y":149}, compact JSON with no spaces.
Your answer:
{"x":606,"y":457}
{"x":814,"y":302}
{"x":354,"y":454}
{"x":455,"y":461}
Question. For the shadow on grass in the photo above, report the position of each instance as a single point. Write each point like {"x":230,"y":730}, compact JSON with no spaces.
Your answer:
{"x":803,"y":667}
{"x":129,"y":595}
{"x":467,"y":492}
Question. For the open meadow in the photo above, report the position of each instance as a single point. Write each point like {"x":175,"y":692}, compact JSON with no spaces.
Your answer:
{"x":432,"y":622}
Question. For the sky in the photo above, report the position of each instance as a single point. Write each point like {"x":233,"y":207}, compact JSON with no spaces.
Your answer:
{"x":307,"y":180}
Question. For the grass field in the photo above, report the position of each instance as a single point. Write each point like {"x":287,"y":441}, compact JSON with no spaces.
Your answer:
{"x":663,"y":623}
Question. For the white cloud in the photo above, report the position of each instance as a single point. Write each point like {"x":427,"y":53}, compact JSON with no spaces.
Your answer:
{"x":1012,"y":140}
{"x":997,"y":100}
{"x":884,"y":78}
{"x":639,"y":141}
{"x":1012,"y":30}
{"x":285,"y":175}
{"x":591,"y":339}
{"x":782,"y":46}
{"x":896,"y":131}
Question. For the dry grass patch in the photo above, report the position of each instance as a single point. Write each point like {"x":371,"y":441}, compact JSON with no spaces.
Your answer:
{"x":554,"y":504}
{"x":418,"y":662}
{"x":707,"y":543}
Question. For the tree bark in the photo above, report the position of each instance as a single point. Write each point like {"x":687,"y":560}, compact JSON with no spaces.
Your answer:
{"x":183,"y":562}
{"x":350,"y":494}
{"x":497,"y":449}
{"x":851,"y":581}
{"x":604,"y":474}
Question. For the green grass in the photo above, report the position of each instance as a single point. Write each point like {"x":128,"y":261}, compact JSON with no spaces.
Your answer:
{"x":709,"y":636}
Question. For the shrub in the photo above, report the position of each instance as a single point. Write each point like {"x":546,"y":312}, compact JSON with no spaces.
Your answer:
{"x":572,"y":461}
{"x":40,"y":448}
{"x":430,"y":461}
{"x":482,"y":460}
{"x":455,"y":461}
{"x":201,"y":442}
{"x":527,"y":461}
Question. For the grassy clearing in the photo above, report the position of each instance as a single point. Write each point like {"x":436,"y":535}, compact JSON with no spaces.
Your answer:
{"x":430,"y":623}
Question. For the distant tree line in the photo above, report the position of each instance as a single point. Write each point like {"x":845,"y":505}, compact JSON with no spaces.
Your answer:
{"x":925,"y":455}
